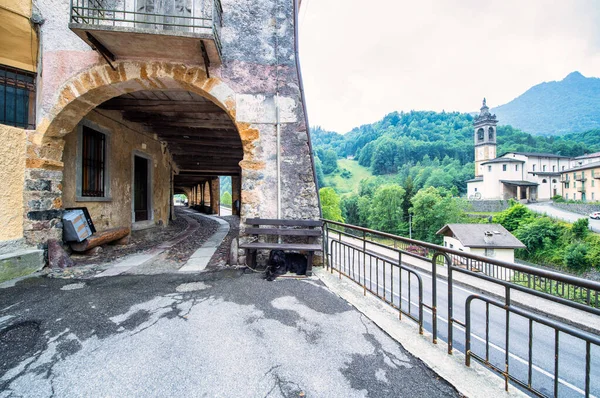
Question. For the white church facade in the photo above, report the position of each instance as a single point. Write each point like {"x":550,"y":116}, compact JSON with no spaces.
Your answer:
{"x":514,"y":175}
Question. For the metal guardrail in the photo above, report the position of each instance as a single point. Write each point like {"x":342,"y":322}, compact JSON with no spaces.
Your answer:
{"x":350,"y":250}
{"x":193,"y":16}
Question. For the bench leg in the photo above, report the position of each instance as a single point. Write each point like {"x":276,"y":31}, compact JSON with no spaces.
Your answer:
{"x":309,"y":261}
{"x":251,"y":258}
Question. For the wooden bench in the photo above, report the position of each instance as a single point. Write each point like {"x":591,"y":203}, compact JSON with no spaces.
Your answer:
{"x":309,"y":229}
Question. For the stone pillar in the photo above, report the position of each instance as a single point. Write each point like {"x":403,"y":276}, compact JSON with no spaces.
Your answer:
{"x":215,"y":197}
{"x":173,"y":217}
{"x":236,"y":190}
{"x":207,"y":194}
{"x":42,"y":195}
{"x":518,"y":192}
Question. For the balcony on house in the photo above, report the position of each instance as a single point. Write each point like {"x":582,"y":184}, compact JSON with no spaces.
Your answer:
{"x":580,"y":178}
{"x":581,"y":189}
{"x":565,"y":180}
{"x":174,"y":30}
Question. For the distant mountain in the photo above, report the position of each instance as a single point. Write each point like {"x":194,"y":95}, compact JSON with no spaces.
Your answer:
{"x":568,"y":106}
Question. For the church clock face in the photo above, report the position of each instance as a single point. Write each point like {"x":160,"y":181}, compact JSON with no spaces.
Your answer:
{"x":480,"y":153}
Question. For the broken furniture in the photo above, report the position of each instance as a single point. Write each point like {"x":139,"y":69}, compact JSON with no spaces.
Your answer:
{"x":80,"y":233}
{"x":309,"y":230}
{"x":101,"y":238}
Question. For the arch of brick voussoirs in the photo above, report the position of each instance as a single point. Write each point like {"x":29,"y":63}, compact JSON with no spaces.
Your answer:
{"x":99,"y":83}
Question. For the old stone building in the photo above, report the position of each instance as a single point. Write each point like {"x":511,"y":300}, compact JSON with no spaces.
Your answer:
{"x":117,"y":105}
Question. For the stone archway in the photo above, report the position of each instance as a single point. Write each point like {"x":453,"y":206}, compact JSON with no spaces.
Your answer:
{"x":84,"y":92}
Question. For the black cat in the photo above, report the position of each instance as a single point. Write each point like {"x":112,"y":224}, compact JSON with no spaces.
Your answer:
{"x":281,"y":262}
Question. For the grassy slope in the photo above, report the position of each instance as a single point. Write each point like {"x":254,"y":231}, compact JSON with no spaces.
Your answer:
{"x":349,"y":185}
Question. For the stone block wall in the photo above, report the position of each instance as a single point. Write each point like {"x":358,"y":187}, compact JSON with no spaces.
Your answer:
{"x":579,"y":208}
{"x":489,"y":206}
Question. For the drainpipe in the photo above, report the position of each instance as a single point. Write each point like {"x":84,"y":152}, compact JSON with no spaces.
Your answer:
{"x":301,"y":86}
{"x":278,"y":128}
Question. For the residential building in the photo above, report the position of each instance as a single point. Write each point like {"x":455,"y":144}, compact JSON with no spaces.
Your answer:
{"x":582,"y":182}
{"x":489,"y":240}
{"x":116,"y":106}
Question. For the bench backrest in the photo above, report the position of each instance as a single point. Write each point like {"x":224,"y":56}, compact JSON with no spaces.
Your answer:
{"x":312,"y":227}
{"x":286,"y":223}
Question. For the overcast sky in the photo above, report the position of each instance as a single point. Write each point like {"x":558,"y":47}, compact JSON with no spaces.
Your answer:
{"x":363,"y":59}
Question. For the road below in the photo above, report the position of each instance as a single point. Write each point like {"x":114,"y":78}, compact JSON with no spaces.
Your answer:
{"x":548,"y":209}
{"x":401,"y":289}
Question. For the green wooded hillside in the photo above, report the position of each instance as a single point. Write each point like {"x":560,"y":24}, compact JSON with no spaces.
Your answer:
{"x":441,"y":141}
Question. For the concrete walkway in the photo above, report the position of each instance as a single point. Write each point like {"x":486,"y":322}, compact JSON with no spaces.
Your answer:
{"x":549,"y":210}
{"x":214,"y":334}
{"x":201,"y":257}
{"x":197,"y":262}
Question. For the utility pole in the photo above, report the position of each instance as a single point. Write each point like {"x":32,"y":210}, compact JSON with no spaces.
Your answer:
{"x":410,"y":226}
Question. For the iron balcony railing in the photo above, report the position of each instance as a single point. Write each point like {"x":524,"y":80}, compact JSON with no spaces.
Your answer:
{"x":581,"y":189}
{"x":168,"y":16}
{"x":527,"y":344}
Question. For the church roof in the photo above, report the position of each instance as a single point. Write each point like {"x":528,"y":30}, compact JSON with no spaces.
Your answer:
{"x":538,"y":154}
{"x":520,"y":183}
{"x":503,"y":160}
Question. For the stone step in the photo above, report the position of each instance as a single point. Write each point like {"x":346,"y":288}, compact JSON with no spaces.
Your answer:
{"x":20,"y":263}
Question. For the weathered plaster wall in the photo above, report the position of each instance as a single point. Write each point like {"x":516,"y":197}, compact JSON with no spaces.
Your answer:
{"x":12,"y":169}
{"x":258,"y":63}
{"x":123,"y":142}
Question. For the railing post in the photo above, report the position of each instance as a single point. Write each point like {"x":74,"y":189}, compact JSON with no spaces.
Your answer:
{"x":507,"y":337}
{"x":326,"y":244}
{"x":468,"y":333}
{"x":450,"y":297}
{"x":434,"y":299}
{"x":364,"y":263}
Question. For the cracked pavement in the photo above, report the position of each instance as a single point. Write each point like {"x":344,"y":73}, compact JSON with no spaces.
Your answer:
{"x":217,"y":334}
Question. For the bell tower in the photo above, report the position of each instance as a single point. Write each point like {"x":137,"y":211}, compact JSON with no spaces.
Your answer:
{"x":485,"y":137}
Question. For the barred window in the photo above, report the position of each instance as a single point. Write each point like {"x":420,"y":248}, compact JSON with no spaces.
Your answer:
{"x":17,"y":97}
{"x":93,"y":162}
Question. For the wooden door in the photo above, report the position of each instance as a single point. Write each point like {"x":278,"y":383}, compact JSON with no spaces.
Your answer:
{"x":140,"y":188}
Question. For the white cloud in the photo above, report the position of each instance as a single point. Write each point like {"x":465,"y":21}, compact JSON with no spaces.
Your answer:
{"x":363,"y":59}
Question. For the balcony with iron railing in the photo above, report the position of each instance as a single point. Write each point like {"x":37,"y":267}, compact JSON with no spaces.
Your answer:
{"x":581,"y":189}
{"x":565,"y":180}
{"x":178,"y":30}
{"x":581,"y":178}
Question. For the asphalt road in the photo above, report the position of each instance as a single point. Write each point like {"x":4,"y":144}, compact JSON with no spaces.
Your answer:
{"x":387,"y":282}
{"x":547,"y":208}
{"x":213,"y":334}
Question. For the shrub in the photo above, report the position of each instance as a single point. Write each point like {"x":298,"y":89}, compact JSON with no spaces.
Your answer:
{"x":514,"y":216}
{"x":580,"y":228}
{"x":347,"y":174}
{"x":558,"y":199}
{"x":575,"y":257}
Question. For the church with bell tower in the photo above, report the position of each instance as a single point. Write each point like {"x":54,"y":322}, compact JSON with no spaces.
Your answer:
{"x":485,"y":137}
{"x":522,"y":176}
